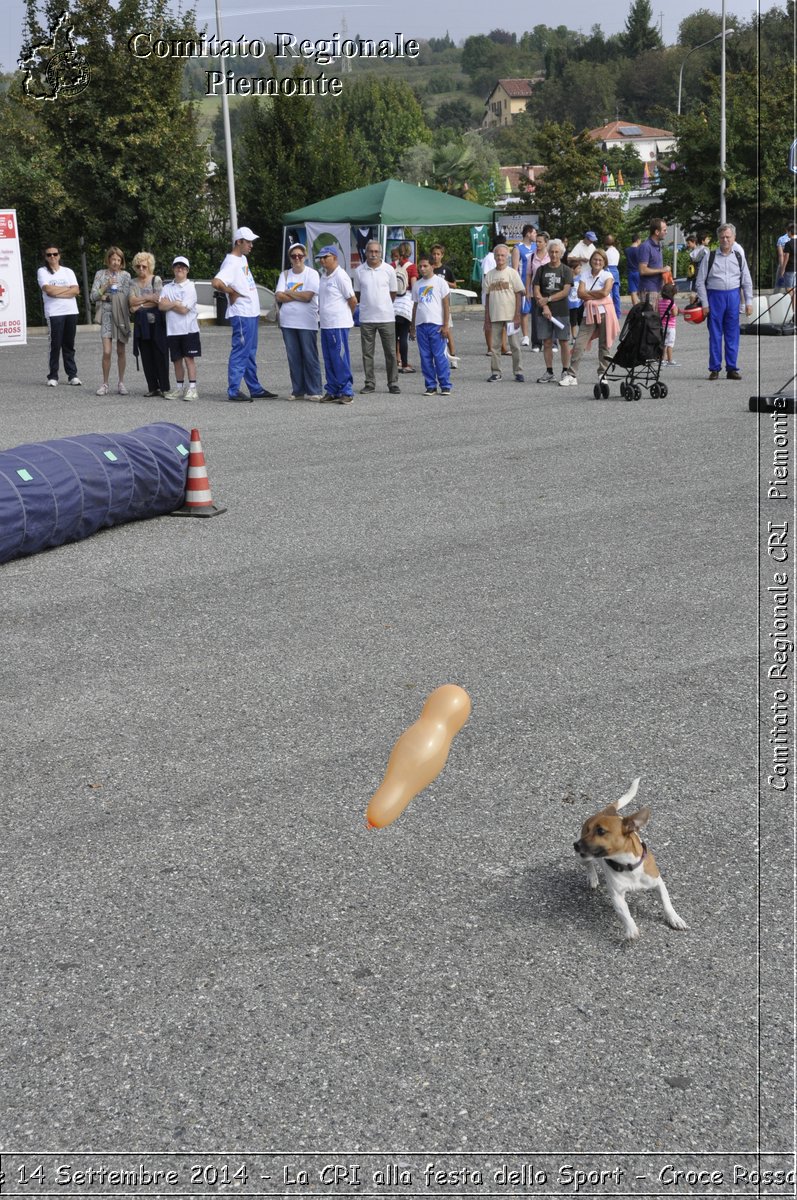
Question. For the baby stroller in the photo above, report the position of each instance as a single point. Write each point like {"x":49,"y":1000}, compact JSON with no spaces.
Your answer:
{"x":637,"y":358}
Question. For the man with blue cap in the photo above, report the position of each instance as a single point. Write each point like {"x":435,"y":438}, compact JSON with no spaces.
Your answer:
{"x":579,"y":256}
{"x":336,"y":305}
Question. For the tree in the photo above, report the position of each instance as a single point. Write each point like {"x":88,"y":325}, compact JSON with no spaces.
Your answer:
{"x":383,"y":118}
{"x":458,"y":166}
{"x":698,"y":27}
{"x":513,"y":143}
{"x":290,"y":154}
{"x":758,"y":183}
{"x":562,"y":197}
{"x":647,"y":87}
{"x":640,"y":33}
{"x":130,"y":158}
{"x":502,"y":37}
{"x":581,"y":97}
{"x":543,"y":37}
{"x":456,"y":115}
{"x":32,"y":182}
{"x":481,"y":54}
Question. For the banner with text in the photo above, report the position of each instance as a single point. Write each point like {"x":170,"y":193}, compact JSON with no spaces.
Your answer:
{"x":13,"y":322}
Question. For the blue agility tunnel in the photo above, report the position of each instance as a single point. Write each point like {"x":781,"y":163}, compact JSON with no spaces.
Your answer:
{"x":66,"y":489}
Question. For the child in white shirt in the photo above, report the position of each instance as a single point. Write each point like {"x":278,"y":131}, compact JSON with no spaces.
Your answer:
{"x":178,"y":300}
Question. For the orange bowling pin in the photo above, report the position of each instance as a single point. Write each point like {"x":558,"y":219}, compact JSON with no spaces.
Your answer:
{"x":420,"y":754}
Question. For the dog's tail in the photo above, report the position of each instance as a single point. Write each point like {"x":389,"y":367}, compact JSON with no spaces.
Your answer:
{"x":629,"y":795}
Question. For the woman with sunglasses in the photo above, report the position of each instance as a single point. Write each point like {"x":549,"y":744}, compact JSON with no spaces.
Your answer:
{"x":149,"y":324}
{"x":297,"y":296}
{"x":59,"y":289}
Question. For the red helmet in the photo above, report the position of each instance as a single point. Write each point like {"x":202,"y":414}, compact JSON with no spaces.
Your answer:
{"x":695,"y":315}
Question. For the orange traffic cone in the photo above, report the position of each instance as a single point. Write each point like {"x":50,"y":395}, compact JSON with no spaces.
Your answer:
{"x":198,"y":501}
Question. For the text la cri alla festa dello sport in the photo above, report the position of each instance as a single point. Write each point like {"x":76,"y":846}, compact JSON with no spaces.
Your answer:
{"x":323,"y":52}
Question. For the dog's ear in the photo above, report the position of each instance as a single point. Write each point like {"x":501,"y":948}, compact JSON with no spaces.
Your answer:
{"x":635,"y":821}
{"x":611,"y":809}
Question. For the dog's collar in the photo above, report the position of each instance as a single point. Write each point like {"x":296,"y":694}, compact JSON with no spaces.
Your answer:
{"x":616,"y":866}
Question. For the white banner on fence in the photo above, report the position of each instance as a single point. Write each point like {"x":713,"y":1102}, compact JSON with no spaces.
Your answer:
{"x":13,"y":322}
{"x":319,"y":236}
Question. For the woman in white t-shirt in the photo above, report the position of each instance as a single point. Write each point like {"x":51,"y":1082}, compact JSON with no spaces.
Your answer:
{"x":59,"y":289}
{"x":595,"y":285}
{"x":297,"y":296}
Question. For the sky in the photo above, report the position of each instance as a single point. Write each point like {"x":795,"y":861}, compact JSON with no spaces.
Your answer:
{"x":418,"y":18}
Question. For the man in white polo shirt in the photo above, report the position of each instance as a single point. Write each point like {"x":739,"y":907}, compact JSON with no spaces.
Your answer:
{"x":375,"y":287}
{"x":243,"y":312}
{"x":336,"y":304}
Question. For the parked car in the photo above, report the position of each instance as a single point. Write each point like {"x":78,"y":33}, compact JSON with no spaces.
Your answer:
{"x":208,"y":310}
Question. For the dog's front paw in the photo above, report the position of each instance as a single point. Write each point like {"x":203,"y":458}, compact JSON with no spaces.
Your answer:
{"x":676,"y":922}
{"x":631,"y":934}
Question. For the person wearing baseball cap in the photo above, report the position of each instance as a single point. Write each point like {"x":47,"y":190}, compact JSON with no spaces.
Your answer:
{"x":243,"y":312}
{"x":581,"y":253}
{"x":178,"y":300}
{"x":336,"y":305}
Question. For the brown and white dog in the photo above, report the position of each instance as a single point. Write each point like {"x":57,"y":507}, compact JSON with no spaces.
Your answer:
{"x":628,"y":865}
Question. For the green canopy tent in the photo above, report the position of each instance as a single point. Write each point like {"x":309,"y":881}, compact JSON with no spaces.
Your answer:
{"x":389,"y":203}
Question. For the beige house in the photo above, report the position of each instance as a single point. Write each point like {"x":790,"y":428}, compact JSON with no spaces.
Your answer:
{"x":507,"y":99}
{"x":648,"y":142}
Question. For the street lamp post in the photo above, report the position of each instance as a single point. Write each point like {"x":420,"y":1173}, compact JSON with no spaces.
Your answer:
{"x":724,"y":33}
{"x":722,"y":120}
{"x":225,"y":117}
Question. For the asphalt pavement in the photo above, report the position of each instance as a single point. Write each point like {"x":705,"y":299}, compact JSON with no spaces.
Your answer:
{"x":205,"y":947}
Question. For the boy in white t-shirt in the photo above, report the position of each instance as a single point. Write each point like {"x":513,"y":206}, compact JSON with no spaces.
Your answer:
{"x":430,"y":317}
{"x":336,"y":305}
{"x":178,"y":301}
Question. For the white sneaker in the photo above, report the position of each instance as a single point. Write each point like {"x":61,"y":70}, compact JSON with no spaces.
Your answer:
{"x":75,"y":382}
{"x":555,"y":348}
{"x":175,"y":394}
{"x":314,"y":396}
{"x":524,"y":341}
{"x":122,"y":390}
{"x":191,"y":393}
{"x":102,"y":390}
{"x":52,"y":383}
{"x":298,"y":396}
{"x":567,"y":380}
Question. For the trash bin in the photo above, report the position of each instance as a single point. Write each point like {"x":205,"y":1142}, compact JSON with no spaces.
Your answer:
{"x":221,"y":307}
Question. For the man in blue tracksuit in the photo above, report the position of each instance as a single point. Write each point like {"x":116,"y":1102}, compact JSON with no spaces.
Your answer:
{"x":243,"y":310}
{"x":723,"y":281}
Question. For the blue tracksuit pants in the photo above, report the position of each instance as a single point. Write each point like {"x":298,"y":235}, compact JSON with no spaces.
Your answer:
{"x":243,"y":357}
{"x":723,"y":322}
{"x":337,"y":363}
{"x":615,"y":274}
{"x":432,"y":353}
